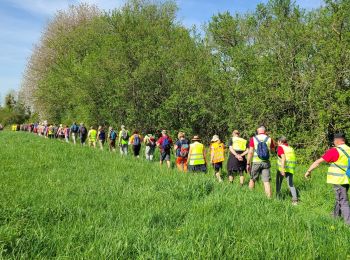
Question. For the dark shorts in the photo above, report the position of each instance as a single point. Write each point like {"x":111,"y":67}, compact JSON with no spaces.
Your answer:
{"x":83,"y":139}
{"x":197,"y":168}
{"x":217,"y":166}
{"x":165,"y":156}
{"x":112,"y":143}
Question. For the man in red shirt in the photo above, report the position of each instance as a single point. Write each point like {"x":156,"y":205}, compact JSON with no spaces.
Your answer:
{"x":338,"y":159}
{"x":164,"y":143}
{"x":260,"y":166}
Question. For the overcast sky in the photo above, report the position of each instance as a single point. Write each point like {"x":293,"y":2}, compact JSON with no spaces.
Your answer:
{"x":22,"y":21}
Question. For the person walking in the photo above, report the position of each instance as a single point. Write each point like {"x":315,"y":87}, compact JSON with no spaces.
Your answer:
{"x":136,"y":140}
{"x":92,"y":137}
{"x":82,"y":134}
{"x":60,"y":132}
{"x":112,"y":139}
{"x":74,"y":129}
{"x":237,"y":162}
{"x":286,"y":168}
{"x":101,"y":136}
{"x":217,"y":156}
{"x":164,"y":143}
{"x":123,"y":140}
{"x":182,"y":147}
{"x":196,"y":156}
{"x":150,"y":143}
{"x":338,"y":159}
{"x":260,"y":147}
{"x":66,"y":133}
{"x":50,"y":132}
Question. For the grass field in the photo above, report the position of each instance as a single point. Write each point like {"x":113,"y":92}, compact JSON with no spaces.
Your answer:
{"x":63,"y":201}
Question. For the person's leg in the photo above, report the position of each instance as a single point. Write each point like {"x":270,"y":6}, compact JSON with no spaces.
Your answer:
{"x":126,"y":148}
{"x":241,"y":177}
{"x":344,"y":203}
{"x":185,"y":164}
{"x":138,"y":148}
{"x":134,"y":150}
{"x":231,"y":175}
{"x":147,"y":155}
{"x":179,"y":164}
{"x":254,"y":174}
{"x":292,"y":189}
{"x":162,"y":158}
{"x":167,"y":158}
{"x":217,"y":168}
{"x":265,"y":172}
{"x":337,"y":212}
{"x":279,"y":179}
{"x":151,"y":153}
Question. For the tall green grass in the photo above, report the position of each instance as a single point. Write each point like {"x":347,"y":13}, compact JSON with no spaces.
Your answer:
{"x":63,"y":201}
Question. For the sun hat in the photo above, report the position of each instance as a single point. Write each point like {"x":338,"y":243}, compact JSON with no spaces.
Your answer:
{"x":215,"y":138}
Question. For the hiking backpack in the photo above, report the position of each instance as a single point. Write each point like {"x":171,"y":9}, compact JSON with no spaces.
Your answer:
{"x":113,"y":135}
{"x":262,"y":149}
{"x":166,"y":144}
{"x":184,"y":149}
{"x":83,"y":130}
{"x":75,"y":128}
{"x":347,"y":171}
{"x":136,"y":140}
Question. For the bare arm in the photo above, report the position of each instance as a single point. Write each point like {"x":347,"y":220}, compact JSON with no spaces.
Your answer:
{"x":313,"y":167}
{"x":250,"y":155}
{"x":245,"y":152}
{"x":205,"y":159}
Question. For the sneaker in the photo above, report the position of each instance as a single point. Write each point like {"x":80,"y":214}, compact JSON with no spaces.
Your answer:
{"x":294,"y":202}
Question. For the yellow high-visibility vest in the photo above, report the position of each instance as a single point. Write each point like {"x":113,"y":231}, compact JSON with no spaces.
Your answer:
{"x":92,"y":135}
{"x":336,"y":171}
{"x":239,"y":144}
{"x":219,"y":152}
{"x":196,"y":155}
{"x":290,"y":163}
{"x":261,"y":138}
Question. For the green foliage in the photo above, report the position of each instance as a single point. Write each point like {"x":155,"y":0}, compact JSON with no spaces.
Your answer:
{"x":63,"y":201}
{"x":281,"y":66}
{"x":14,"y":112}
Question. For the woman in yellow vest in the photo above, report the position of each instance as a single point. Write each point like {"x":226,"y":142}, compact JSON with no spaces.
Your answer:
{"x":338,"y":159}
{"x":237,"y":162}
{"x":92,"y":136}
{"x":217,"y":155}
{"x":196,"y":156}
{"x":286,"y":163}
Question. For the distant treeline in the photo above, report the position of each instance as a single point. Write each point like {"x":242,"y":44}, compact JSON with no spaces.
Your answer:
{"x":280,"y":66}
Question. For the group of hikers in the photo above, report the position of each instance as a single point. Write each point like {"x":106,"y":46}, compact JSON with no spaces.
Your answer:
{"x":252,"y":157}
